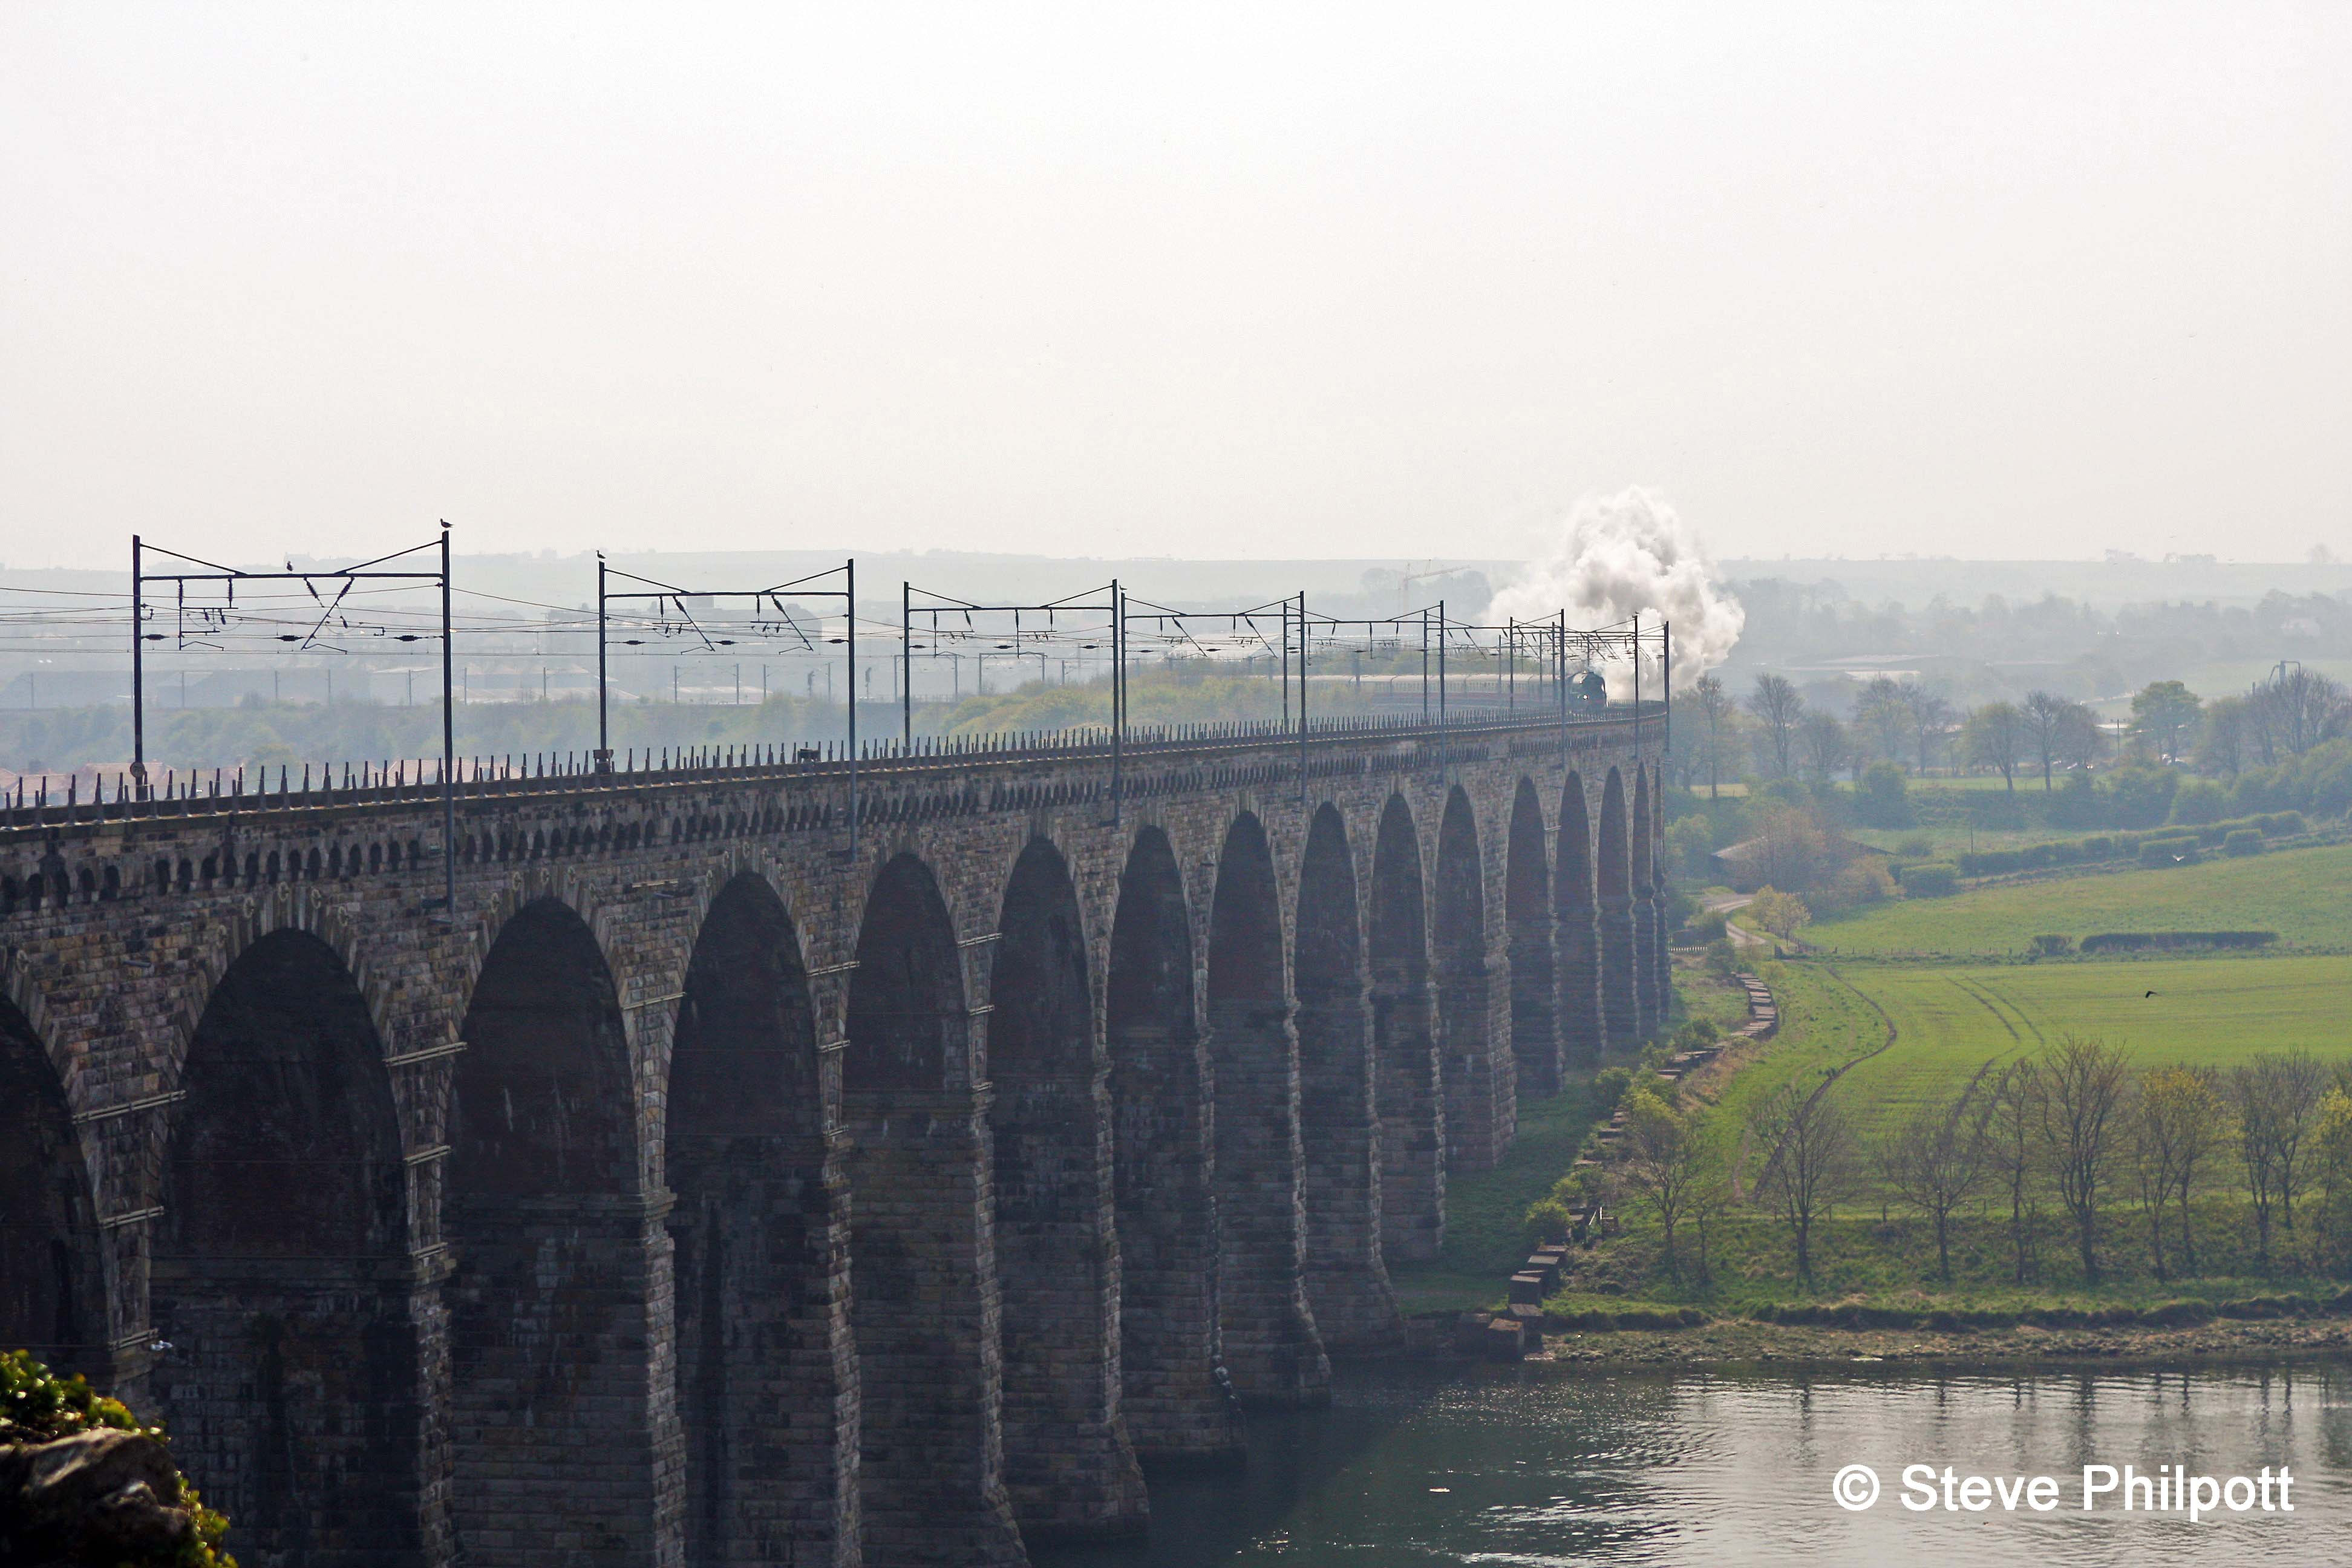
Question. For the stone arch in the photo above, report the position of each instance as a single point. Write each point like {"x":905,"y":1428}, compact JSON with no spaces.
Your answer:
{"x":1346,"y":1283}
{"x":1067,"y":1463}
{"x":1404,"y":1045}
{"x":1613,"y":876}
{"x":759,"y":1226}
{"x":1160,"y":1179}
{"x":52,"y":1283}
{"x":1528,"y":926}
{"x":1270,"y":1342}
{"x":1481,"y":1087}
{"x":560,"y":1305}
{"x":1576,"y":931}
{"x":924,"y":1297}
{"x":1662,"y":977}
{"x":296,"y":1384}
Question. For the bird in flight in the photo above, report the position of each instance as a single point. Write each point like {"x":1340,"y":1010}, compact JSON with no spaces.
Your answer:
{"x":2150,"y":994}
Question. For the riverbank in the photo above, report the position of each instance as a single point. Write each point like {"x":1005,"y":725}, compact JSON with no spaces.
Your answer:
{"x":1735,"y":1343}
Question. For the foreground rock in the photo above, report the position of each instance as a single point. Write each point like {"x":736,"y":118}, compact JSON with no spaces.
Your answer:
{"x":98,"y":1498}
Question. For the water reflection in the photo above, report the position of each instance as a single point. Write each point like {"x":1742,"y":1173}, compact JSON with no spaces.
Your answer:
{"x":1532,"y":1466}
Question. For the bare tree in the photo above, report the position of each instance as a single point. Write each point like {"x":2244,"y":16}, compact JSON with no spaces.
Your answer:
{"x":2013,"y":1143}
{"x":1777,"y":707}
{"x":2276,"y":1097}
{"x":1994,"y":737}
{"x":1716,"y":713}
{"x":2180,"y":1121}
{"x":1810,"y":1161}
{"x":2225,"y":726}
{"x":2047,"y":718}
{"x":1939,"y":1155}
{"x":1882,"y":717}
{"x":2085,"y":1081}
{"x":1931,"y":718}
{"x":1826,"y":744}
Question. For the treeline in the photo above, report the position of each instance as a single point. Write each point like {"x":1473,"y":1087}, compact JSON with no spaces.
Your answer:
{"x":2084,"y":1154}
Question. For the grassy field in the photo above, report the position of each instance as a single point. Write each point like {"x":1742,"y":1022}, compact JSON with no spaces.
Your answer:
{"x":2299,"y":893}
{"x":1949,"y":1021}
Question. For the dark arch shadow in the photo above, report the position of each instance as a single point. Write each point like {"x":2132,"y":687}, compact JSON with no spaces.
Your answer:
{"x":1161,"y":1168}
{"x":52,"y":1289}
{"x":1652,"y":873}
{"x":761,"y":1226}
{"x":1067,"y":1464}
{"x":1583,"y":1033}
{"x":1346,"y":1283}
{"x":1404,"y":1048}
{"x":281,"y":1278}
{"x":1479,"y":1074}
{"x":560,"y":1304}
{"x":1620,"y":1007}
{"x":1270,"y":1341}
{"x":1535,"y":972}
{"x":922,"y":1266}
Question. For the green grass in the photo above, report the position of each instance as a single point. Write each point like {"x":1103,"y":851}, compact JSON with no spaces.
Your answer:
{"x":2299,"y":893}
{"x":1483,"y":1208}
{"x":2207,"y":1012}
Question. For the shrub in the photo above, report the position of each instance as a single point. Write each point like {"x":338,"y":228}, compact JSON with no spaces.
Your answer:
{"x":2199,"y":801}
{"x":1547,"y":1219}
{"x":2099,"y":846}
{"x":2243,"y":841}
{"x":1608,"y":1086}
{"x":1879,"y":796}
{"x":2158,"y":852}
{"x":1935,"y":879}
{"x":2051,"y":945}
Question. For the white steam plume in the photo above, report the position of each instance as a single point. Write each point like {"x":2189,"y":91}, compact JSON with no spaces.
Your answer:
{"x":1628,"y":553}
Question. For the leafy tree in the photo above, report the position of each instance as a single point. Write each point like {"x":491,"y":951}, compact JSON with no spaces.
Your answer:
{"x":1994,"y":736}
{"x":1780,"y":913}
{"x":2226,"y":722}
{"x":2054,"y":727}
{"x":1777,"y":708}
{"x":1664,"y":1164}
{"x":2165,"y":714}
{"x":2085,"y":1086}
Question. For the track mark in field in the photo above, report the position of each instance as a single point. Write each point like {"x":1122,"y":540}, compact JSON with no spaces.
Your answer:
{"x":2024,"y":1018}
{"x":1985,"y":1001}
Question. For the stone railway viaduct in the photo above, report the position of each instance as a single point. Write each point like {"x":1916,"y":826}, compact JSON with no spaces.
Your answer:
{"x":712,"y":1190}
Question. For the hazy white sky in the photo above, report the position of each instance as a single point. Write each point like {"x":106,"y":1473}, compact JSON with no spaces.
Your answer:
{"x":1987,"y":279}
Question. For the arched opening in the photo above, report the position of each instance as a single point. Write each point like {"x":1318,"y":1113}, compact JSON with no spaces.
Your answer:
{"x":560,"y":1307}
{"x":1404,"y":1048}
{"x":1346,"y":1283}
{"x":1270,"y":1342}
{"x":922,"y":1262}
{"x":52,"y":1295}
{"x":1481,"y":1087}
{"x":282,"y":1278}
{"x":1161,"y":1168}
{"x":761,"y":1231}
{"x":1649,"y":933}
{"x":1620,"y":1007}
{"x":1067,"y":1464}
{"x":1576,"y":929}
{"x":1535,"y":975}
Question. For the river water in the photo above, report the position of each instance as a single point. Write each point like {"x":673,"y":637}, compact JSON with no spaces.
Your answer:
{"x":1535,"y":1466}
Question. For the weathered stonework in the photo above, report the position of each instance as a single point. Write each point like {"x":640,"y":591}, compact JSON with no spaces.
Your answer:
{"x":711,"y":1188}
